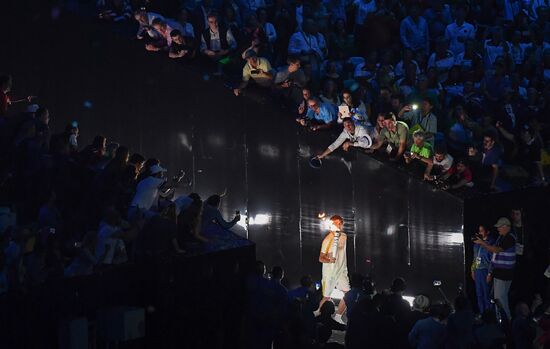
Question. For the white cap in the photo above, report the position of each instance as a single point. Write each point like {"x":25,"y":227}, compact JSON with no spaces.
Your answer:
{"x":156,"y":169}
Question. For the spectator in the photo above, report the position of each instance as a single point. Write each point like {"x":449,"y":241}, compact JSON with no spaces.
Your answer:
{"x":460,"y":324}
{"x":421,"y":119}
{"x":420,"y":309}
{"x":458,"y":177}
{"x":304,"y":290}
{"x":326,"y":317}
{"x":357,"y":291}
{"x":164,"y":27}
{"x":145,"y":20}
{"x":431,"y":332}
{"x":256,"y":68}
{"x":489,"y":162}
{"x":147,"y":192}
{"x":414,"y":31}
{"x":183,"y":20}
{"x":353,"y":136}
{"x":420,"y":150}
{"x":395,"y":135}
{"x":319,"y":116}
{"x":523,"y":333}
{"x":217,"y":41}
{"x":459,"y":31}
{"x":181,"y":46}
{"x":489,"y":335}
{"x":289,"y":80}
{"x":356,"y":111}
{"x":307,"y":45}
{"x":211,"y":214}
{"x":439,"y":164}
{"x":502,"y":264}
{"x":480,"y":269}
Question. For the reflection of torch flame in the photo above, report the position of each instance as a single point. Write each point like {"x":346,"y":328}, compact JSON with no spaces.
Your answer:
{"x":322,"y":215}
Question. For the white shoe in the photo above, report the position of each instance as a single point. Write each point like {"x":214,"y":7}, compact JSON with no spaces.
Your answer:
{"x":316,"y":312}
{"x":338,"y":318}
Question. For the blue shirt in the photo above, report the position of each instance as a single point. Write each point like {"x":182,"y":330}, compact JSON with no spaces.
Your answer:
{"x":428,"y":334}
{"x":326,"y":113}
{"x":491,"y":157}
{"x":482,"y":257}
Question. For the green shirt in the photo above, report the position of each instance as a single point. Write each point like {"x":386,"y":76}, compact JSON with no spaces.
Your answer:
{"x":425,"y":151}
{"x":394,"y":138}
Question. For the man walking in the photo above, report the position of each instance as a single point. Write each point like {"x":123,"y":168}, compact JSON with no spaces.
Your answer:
{"x":335,"y":269}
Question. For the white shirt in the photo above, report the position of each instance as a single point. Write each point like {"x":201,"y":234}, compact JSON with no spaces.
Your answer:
{"x":146,"y":192}
{"x":454,"y":31}
{"x":301,"y":43}
{"x":340,"y":266}
{"x":151,"y":16}
{"x":446,"y":163}
{"x":360,"y":138}
{"x":493,"y":52}
{"x":363,"y":9}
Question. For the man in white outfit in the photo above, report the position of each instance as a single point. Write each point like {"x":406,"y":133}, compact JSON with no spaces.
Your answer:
{"x":335,"y":267}
{"x":352,"y":136}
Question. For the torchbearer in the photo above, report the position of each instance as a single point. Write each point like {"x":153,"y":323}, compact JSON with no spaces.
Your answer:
{"x":335,"y":268}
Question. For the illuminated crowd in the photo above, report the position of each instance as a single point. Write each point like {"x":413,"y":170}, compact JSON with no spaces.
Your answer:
{"x":456,"y":92}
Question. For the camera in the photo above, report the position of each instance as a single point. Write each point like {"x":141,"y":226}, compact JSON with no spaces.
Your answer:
{"x":476,"y":237}
{"x":437,"y":283}
{"x":255,"y":71}
{"x":414,"y":106}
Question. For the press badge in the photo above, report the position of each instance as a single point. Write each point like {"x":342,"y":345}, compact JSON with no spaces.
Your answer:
{"x":389,"y":149}
{"x":519,"y":249}
{"x":477,"y":263}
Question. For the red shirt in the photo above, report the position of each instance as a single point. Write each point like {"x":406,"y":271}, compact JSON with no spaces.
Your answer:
{"x":467,"y":174}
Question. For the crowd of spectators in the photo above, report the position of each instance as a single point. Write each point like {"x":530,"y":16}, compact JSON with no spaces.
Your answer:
{"x":455,"y":91}
{"x":382,"y":318}
{"x":69,"y":210}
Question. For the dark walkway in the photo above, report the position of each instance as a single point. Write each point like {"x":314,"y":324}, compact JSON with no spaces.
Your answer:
{"x":96,"y":74}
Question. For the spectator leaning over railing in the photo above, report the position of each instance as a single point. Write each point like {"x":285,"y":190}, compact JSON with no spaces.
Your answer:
{"x":257,"y":69}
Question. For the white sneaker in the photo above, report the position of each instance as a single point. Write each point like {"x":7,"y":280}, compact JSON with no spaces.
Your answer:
{"x":338,"y":318}
{"x":316,"y":312}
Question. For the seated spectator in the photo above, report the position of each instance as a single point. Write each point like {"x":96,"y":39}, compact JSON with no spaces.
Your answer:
{"x":394,"y":135}
{"x":431,"y":332}
{"x":183,"y":20}
{"x":181,"y":46}
{"x":459,"y":31}
{"x":308,"y":46}
{"x":357,"y":111}
{"x":523,"y":333}
{"x":421,"y":118}
{"x":489,"y":335}
{"x":488,"y":162}
{"x":319,"y":116}
{"x":329,"y":94}
{"x":457,"y":177}
{"x":439,"y":164}
{"x":460,"y":325}
{"x":353,"y":136}
{"x":414,"y":31}
{"x":442,"y":59}
{"x":189,"y":219}
{"x":145,"y":20}
{"x":326,"y":317}
{"x":217,"y":41}
{"x":164,"y":27}
{"x":303,"y":108}
{"x":110,"y":247}
{"x":356,"y":292}
{"x":306,"y":287}
{"x":85,"y":260}
{"x":114,"y":10}
{"x":256,"y":68}
{"x":420,"y":149}
{"x":289,"y":80}
{"x":211,"y":214}
{"x":376,"y":131}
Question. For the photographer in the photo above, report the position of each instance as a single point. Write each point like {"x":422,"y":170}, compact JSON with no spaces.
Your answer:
{"x":420,"y":150}
{"x":480,"y":269}
{"x":319,"y":116}
{"x":256,"y":68}
{"x":502,"y":263}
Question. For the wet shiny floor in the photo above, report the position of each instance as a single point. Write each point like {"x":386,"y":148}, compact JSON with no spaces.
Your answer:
{"x":99,"y":76}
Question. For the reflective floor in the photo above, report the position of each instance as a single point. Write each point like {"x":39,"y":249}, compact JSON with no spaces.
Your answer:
{"x":101,"y":77}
